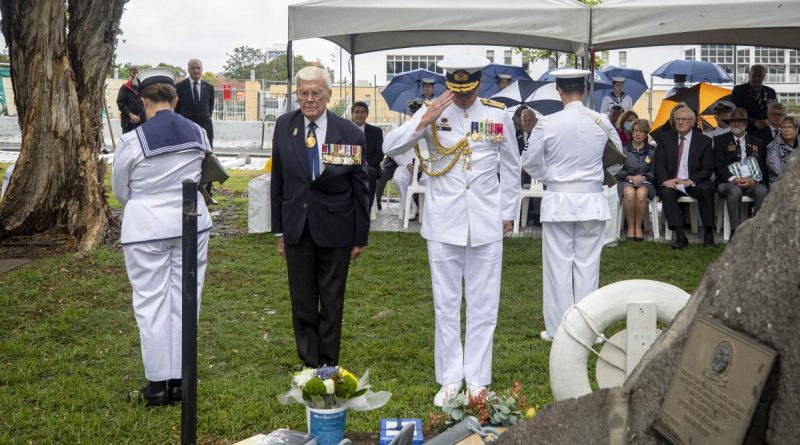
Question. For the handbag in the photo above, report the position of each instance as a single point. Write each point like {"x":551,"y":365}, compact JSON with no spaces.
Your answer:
{"x":212,"y":170}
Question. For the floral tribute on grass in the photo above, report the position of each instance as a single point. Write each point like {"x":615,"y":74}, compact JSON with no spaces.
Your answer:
{"x":333,"y":387}
{"x":490,"y":408}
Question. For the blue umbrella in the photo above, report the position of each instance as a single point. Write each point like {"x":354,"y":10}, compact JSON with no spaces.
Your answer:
{"x":635,"y":85}
{"x":695,"y":71}
{"x":518,"y":92}
{"x":408,"y":85}
{"x":489,"y":76}
{"x":602,"y":83}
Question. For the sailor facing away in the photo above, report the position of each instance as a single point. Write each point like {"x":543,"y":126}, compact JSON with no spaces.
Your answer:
{"x":565,"y":152}
{"x":150,"y":166}
{"x":466,"y":211}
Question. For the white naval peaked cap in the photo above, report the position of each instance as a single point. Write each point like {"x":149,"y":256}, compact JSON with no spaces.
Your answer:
{"x":722,"y":103}
{"x":570,"y":76}
{"x":470,"y":64}
{"x":430,"y":80}
{"x":152,"y":76}
{"x":618,"y":79}
{"x":504,"y":76}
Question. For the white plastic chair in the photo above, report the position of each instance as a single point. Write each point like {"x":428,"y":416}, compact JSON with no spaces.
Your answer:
{"x":413,"y":189}
{"x":653,"y":221}
{"x":536,"y":190}
{"x":722,"y":213}
{"x":694,"y":215}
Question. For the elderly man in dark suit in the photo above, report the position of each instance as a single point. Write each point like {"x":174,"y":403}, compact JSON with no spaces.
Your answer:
{"x":684,"y":161}
{"x":754,"y":97}
{"x":320,"y":212}
{"x":740,"y":166}
{"x":374,"y":149}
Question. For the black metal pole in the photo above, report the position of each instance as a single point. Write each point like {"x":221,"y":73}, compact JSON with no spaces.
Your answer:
{"x":189,"y":310}
{"x":353,"y":67}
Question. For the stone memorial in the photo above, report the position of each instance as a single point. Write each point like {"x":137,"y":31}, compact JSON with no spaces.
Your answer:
{"x":752,"y":289}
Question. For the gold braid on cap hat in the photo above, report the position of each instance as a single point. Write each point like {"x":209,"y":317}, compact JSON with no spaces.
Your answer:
{"x":460,"y":147}
{"x":461,"y":87}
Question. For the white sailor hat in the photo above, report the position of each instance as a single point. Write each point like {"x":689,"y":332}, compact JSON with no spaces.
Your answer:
{"x":504,"y":76}
{"x":152,"y":76}
{"x":618,"y":79}
{"x":463,"y":72}
{"x":722,"y":106}
{"x":570,"y":76}
{"x":428,"y":80}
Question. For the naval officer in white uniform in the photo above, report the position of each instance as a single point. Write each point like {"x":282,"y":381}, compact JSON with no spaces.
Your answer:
{"x":565,"y":152}
{"x":150,"y":165}
{"x":467,"y":210}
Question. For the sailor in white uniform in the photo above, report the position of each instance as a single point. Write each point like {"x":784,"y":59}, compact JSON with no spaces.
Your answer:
{"x":565,"y":152}
{"x":722,"y":110}
{"x":616,"y":97}
{"x":150,"y":165}
{"x":467,"y":210}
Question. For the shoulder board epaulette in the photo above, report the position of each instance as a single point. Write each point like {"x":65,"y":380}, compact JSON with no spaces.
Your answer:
{"x":493,"y":103}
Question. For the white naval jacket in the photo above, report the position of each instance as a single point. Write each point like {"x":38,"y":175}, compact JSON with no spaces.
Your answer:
{"x":151,"y":190}
{"x":565,"y":152}
{"x":465,"y":207}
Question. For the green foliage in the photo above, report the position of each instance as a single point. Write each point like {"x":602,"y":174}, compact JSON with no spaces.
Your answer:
{"x":209,"y":77}
{"x":241,"y":61}
{"x":70,"y":351}
{"x":314,"y":387}
{"x":245,"y":58}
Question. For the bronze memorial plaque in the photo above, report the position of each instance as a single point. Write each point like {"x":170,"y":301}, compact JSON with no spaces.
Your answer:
{"x":716,"y":386}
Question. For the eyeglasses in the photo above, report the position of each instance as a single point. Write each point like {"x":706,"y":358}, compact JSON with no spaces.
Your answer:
{"x":788,"y":127}
{"x":636,"y":130}
{"x":684,"y":119}
{"x":306,"y":95}
{"x":777,"y":114}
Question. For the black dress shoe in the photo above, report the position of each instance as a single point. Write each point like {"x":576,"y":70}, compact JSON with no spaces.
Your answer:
{"x":175,"y":394}
{"x":146,"y":398}
{"x":680,"y":242}
{"x":708,"y":239}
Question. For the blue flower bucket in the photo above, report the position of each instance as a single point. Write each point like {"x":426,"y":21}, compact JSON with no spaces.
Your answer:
{"x":327,"y":425}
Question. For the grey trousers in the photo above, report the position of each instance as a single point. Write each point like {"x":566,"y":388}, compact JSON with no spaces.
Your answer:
{"x":732,"y":193}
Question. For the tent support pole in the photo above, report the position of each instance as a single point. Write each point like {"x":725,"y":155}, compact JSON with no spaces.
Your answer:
{"x":289,"y":75}
{"x":353,"y":67}
{"x":650,"y":100}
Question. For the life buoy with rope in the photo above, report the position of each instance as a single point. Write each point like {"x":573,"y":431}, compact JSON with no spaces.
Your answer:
{"x":585,"y":321}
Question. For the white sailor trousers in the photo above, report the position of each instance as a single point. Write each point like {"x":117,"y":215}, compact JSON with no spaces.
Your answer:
{"x":480,"y":268}
{"x":571,"y":262}
{"x":155,"y":271}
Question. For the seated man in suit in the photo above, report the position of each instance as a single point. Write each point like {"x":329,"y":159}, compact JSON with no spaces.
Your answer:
{"x":776,"y":111}
{"x":684,"y":161}
{"x":320,"y":212}
{"x":374,"y":136}
{"x":745,"y":155}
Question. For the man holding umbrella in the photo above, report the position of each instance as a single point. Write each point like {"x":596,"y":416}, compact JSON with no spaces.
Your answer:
{"x":467,"y":210}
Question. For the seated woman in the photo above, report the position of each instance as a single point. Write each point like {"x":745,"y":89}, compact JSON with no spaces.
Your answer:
{"x":624,"y":125}
{"x":635,"y":180}
{"x":784,"y":144}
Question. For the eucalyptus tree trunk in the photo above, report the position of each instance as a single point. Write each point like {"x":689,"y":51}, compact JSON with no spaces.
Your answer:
{"x":60,"y":53}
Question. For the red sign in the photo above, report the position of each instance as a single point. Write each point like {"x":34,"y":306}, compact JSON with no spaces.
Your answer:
{"x":226,"y":92}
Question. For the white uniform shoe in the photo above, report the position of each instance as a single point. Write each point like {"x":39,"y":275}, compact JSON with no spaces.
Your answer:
{"x":474,"y":390}
{"x":543,"y":335}
{"x":446,"y":393}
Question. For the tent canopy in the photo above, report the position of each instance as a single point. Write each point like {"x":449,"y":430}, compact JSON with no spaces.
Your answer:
{"x":361,"y":27}
{"x":637,"y":23}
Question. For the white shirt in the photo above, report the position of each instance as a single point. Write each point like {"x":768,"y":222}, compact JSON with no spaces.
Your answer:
{"x":321,"y":131}
{"x":362,"y":126}
{"x":566,"y":149}
{"x":609,"y":100}
{"x":683,"y":167}
{"x":717,"y":131}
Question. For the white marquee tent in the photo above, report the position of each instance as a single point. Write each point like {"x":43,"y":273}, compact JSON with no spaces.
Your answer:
{"x":636,"y":23}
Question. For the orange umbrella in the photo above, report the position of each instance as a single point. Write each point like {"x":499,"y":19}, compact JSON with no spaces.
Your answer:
{"x":698,"y":97}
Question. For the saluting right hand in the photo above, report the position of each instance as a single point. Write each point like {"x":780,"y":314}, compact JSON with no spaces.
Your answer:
{"x":435,"y":109}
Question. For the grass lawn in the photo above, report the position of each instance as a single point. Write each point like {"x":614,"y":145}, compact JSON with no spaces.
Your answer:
{"x":69,"y":347}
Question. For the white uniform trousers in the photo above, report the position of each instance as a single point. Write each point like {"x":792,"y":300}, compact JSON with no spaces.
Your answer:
{"x":571,"y":262}
{"x":155,"y":271}
{"x":480,"y":267}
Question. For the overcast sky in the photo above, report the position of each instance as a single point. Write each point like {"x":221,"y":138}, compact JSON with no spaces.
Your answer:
{"x":173,"y":31}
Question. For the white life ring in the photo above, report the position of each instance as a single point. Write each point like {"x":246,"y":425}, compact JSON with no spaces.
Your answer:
{"x":568,"y":356}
